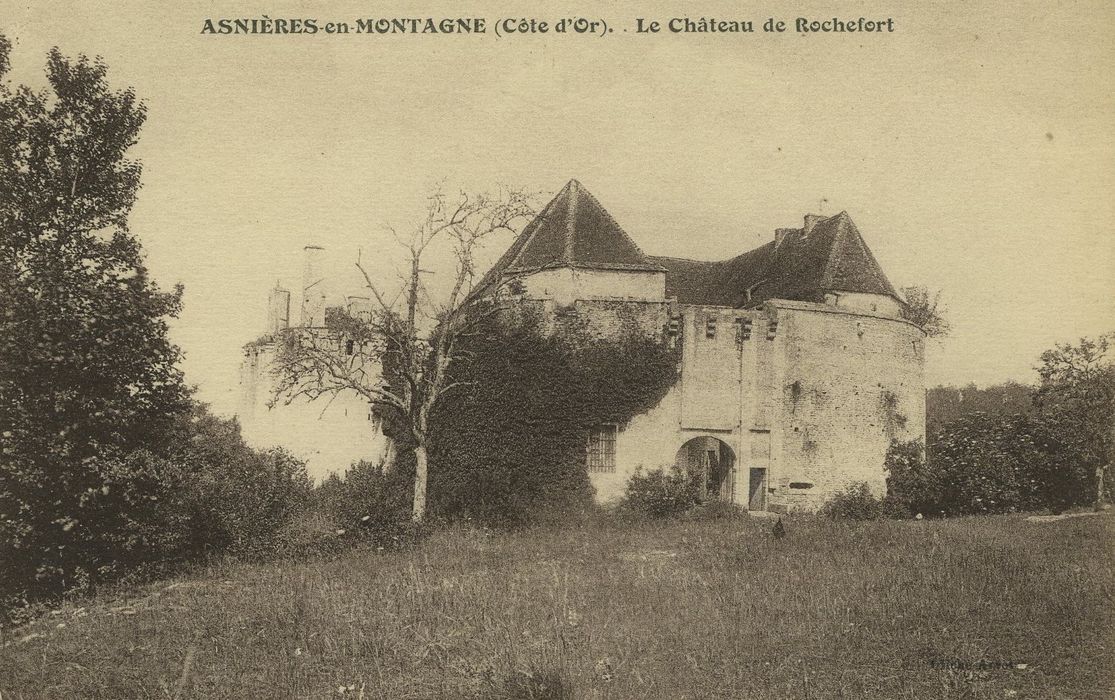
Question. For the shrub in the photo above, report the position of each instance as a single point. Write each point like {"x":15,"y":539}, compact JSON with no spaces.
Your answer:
{"x":145,"y":513}
{"x":856,"y":502}
{"x":715,"y":510}
{"x":910,"y":481}
{"x":125,"y":519}
{"x":987,"y":464}
{"x":662,"y":493}
{"x":243,"y":505}
{"x":369,"y":503}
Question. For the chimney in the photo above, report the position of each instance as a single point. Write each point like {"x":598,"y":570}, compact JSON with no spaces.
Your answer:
{"x":313,"y":287}
{"x":780,"y":234}
{"x":811,"y":220}
{"x":278,"y":310}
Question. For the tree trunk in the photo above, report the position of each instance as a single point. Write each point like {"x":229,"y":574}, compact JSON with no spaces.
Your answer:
{"x":1100,"y":470}
{"x":419,"y":512}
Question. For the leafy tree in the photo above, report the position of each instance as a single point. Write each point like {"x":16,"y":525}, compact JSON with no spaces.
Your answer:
{"x":925,"y":310}
{"x":990,"y":453}
{"x":87,"y":374}
{"x":1077,"y":395}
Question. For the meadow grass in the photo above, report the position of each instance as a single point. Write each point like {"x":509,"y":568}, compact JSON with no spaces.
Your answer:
{"x":714,"y":609}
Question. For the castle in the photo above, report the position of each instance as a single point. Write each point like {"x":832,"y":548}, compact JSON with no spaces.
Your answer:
{"x":797,"y":367}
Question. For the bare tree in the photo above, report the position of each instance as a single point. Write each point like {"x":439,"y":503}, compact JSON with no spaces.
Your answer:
{"x":925,"y":310}
{"x":397,"y":356}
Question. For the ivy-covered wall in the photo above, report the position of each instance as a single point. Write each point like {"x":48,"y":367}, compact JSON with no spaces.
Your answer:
{"x":509,"y":446}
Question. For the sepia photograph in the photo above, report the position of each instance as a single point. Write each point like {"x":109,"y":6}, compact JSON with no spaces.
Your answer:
{"x":515,"y":350}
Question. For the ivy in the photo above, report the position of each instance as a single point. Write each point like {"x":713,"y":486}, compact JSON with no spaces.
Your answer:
{"x":508,"y":444}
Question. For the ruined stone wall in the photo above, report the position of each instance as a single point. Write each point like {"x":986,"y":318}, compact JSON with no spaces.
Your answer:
{"x":328,"y":435}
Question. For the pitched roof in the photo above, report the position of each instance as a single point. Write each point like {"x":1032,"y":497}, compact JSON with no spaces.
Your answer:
{"x":573,"y":230}
{"x":802,"y":266}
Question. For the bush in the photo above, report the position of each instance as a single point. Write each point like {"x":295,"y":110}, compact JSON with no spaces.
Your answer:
{"x":856,"y":502}
{"x":242,"y":506}
{"x":910,"y":481}
{"x":143,"y":514}
{"x":368,"y":503}
{"x":715,"y":510}
{"x":125,"y":519}
{"x":662,"y":493}
{"x":983,"y":464}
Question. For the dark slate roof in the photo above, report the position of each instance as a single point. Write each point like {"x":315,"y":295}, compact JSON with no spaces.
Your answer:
{"x":573,"y":230}
{"x":831,"y":256}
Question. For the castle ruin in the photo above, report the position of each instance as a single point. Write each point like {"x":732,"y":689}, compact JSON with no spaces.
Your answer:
{"x":797,"y":367}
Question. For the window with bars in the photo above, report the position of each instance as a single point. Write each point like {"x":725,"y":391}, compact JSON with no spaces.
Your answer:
{"x":601,"y":455}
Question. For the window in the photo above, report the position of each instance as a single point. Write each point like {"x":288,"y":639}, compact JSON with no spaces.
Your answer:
{"x":601,"y":455}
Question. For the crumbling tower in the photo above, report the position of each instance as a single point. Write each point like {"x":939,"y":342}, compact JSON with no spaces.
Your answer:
{"x":278,"y":310}
{"x":313,"y":287}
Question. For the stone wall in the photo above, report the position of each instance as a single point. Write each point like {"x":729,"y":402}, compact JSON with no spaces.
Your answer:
{"x":328,"y":435}
{"x":600,"y":318}
{"x":852,"y":382}
{"x":567,"y":285}
{"x":873,"y":304}
{"x":807,"y":396}
{"x":810,"y":393}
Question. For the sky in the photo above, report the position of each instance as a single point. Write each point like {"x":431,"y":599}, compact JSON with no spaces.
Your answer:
{"x":973,"y":147}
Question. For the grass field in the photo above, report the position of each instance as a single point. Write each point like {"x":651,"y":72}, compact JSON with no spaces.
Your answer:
{"x":715,"y":609}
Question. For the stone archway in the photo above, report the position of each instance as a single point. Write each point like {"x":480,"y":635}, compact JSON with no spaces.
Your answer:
{"x":715,"y":461}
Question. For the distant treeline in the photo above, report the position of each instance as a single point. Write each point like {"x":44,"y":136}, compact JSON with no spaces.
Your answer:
{"x":945,"y":404}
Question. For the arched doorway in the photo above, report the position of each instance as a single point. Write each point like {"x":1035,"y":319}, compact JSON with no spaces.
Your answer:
{"x":715,"y":462}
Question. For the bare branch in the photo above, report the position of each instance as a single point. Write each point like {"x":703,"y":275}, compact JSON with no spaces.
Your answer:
{"x":386,"y":359}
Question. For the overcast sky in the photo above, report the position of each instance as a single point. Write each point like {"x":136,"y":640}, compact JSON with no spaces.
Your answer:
{"x":973,"y":147}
